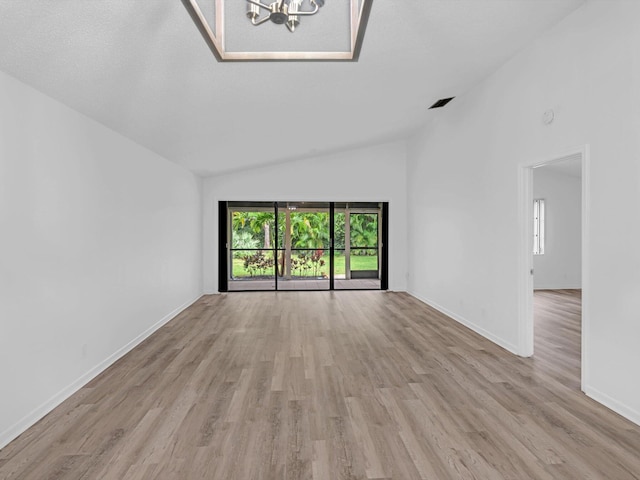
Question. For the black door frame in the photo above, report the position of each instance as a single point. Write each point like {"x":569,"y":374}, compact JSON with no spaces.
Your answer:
{"x":223,"y":249}
{"x":223,"y":246}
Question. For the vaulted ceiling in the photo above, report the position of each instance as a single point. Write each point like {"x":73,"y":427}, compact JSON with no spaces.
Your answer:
{"x":141,"y":68}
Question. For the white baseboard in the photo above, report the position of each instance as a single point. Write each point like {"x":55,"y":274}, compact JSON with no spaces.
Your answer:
{"x":612,"y":404}
{"x":472,"y":326}
{"x":38,"y":413}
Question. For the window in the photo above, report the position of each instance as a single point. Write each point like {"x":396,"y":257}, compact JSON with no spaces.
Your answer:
{"x":302,"y":246}
{"x":538,"y":226}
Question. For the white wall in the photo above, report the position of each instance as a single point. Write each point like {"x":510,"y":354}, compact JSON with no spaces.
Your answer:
{"x":375,"y":173}
{"x":100,"y":242}
{"x":463,"y":189}
{"x":560,"y":266}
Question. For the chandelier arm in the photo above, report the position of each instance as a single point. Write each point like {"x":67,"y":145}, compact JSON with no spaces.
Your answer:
{"x":259,"y":4}
{"x":309,"y":13}
{"x":261,"y":21}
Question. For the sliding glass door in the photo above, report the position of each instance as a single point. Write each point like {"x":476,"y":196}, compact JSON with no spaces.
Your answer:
{"x":301,"y":246}
{"x":251,"y":252}
{"x":357,"y":246}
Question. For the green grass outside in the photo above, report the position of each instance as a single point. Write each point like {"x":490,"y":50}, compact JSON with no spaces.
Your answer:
{"x":358,"y":262}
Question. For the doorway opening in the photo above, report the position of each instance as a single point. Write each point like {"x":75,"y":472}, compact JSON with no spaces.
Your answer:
{"x":302,"y":246}
{"x":553,"y":281}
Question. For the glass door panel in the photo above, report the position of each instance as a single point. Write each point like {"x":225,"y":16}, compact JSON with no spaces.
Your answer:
{"x":289,"y":246}
{"x":357,"y":254}
{"x":251,"y":246}
{"x":303,"y":246}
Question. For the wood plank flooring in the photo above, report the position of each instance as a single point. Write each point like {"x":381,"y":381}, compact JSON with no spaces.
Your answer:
{"x":332,"y":385}
{"x":557,"y":342}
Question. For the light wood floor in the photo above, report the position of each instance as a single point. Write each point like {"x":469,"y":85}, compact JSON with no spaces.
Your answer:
{"x":342,"y":385}
{"x":557,"y":341}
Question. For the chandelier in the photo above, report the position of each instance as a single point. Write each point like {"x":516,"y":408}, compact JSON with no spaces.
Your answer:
{"x":226,"y":26}
{"x":281,"y":11}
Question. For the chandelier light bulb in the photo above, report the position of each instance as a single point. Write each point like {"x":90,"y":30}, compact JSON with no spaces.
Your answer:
{"x":294,"y":20}
{"x":253,"y":11}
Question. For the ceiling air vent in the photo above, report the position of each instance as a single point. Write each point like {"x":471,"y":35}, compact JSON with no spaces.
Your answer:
{"x":441,"y":103}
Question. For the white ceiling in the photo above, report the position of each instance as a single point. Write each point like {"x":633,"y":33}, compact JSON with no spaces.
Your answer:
{"x":141,"y":68}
